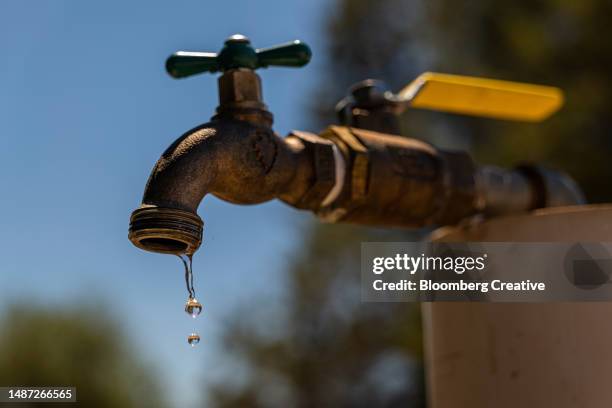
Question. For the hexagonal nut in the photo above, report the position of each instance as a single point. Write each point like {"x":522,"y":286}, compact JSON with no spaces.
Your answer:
{"x":239,"y":85}
{"x":322,"y":154}
{"x":357,"y":183}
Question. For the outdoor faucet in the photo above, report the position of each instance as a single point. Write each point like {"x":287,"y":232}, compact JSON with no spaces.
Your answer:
{"x":236,"y":156}
{"x":343,"y":174}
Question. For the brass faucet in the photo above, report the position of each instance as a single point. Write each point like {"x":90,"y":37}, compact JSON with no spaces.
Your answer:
{"x":346,"y":173}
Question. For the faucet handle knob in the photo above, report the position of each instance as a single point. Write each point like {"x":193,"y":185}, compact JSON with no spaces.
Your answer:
{"x":291,"y":54}
{"x":237,"y":52}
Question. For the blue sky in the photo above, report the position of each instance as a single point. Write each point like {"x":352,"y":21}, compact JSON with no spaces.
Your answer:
{"x":85,"y":111}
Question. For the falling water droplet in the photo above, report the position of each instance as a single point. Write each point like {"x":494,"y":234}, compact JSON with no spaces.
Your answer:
{"x":193,"y":307}
{"x":193,"y":339}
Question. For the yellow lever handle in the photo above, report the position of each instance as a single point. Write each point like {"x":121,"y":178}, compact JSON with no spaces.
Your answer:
{"x":482,"y":97}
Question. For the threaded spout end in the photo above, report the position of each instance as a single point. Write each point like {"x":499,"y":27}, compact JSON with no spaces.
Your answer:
{"x":166,"y":230}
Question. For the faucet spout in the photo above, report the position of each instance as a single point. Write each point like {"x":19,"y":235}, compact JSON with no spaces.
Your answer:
{"x":236,"y":160}
{"x":236,"y":156}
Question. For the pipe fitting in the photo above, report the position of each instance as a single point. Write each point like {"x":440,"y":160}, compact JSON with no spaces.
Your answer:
{"x":322,"y":178}
{"x":397,"y":181}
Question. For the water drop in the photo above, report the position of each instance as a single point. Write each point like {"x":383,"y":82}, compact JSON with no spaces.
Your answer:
{"x":193,"y":307}
{"x":193,"y":339}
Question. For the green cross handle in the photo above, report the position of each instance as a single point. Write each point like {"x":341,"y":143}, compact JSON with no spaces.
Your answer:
{"x":237,"y":52}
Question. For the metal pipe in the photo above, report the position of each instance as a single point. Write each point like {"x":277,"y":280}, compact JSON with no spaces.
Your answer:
{"x":527,"y":187}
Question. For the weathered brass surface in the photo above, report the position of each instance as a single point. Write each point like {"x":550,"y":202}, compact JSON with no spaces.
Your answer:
{"x":346,"y":174}
{"x":236,"y":160}
{"x":397,"y":181}
{"x":236,"y":156}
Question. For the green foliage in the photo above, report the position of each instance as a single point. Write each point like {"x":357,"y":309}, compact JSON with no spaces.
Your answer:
{"x":84,"y":348}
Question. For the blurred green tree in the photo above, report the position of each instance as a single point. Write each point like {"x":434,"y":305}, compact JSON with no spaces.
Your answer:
{"x":335,"y":351}
{"x":79,"y":347}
